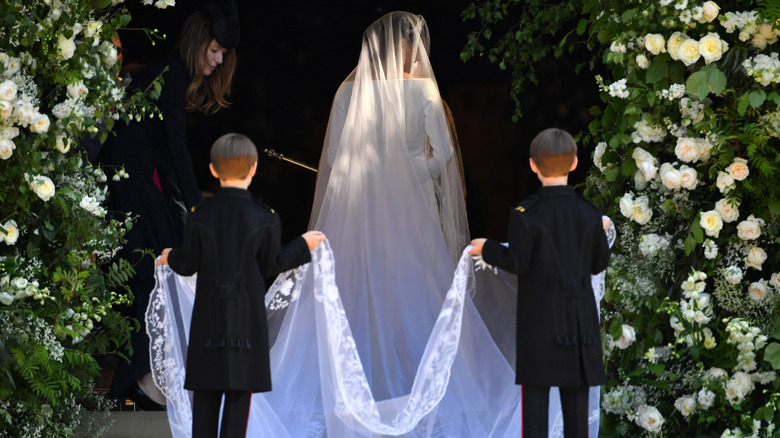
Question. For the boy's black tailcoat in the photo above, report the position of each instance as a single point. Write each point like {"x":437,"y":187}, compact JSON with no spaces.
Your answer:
{"x":556,"y":241}
{"x":234,"y":243}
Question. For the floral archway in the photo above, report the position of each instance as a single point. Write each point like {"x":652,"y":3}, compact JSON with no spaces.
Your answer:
{"x":59,"y":283}
{"x":686,"y":154}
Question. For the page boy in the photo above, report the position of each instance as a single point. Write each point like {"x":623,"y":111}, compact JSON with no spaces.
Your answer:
{"x":233,"y":242}
{"x":556,"y":241}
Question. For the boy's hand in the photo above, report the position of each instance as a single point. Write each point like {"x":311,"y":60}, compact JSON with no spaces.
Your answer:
{"x":163,"y":260}
{"x":606,"y":223}
{"x":313,"y":238}
{"x":478,"y":244}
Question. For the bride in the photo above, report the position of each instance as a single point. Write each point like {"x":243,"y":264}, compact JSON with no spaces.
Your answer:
{"x":376,"y":337}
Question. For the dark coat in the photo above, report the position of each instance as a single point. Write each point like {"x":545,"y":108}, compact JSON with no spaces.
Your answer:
{"x":234,"y":243}
{"x":140,"y":147}
{"x":556,"y":241}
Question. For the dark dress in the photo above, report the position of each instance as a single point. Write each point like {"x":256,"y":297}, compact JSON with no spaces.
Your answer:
{"x":556,"y":241}
{"x":234,"y":243}
{"x":141,"y":147}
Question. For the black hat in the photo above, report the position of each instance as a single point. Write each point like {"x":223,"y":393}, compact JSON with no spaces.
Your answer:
{"x":223,"y":16}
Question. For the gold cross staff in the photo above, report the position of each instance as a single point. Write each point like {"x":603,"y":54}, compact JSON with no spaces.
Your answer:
{"x":273,"y":153}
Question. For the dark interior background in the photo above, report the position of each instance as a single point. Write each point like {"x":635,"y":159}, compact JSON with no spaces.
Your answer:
{"x":294,"y":54}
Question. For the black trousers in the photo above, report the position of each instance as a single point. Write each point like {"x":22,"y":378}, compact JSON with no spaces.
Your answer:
{"x":205,"y":414}
{"x":574,"y":403}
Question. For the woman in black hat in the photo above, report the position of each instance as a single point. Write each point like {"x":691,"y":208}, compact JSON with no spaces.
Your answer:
{"x":160,"y":187}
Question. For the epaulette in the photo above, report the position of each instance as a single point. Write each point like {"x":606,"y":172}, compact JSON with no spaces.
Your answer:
{"x":264,"y":205}
{"x":528,"y":202}
{"x":203,"y":201}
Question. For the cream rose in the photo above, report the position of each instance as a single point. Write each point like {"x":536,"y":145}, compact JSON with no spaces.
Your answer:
{"x":738,"y":169}
{"x":642,"y":61}
{"x":649,"y":418}
{"x":6,"y":109}
{"x":758,"y":41}
{"x":646,"y":162}
{"x":709,"y":11}
{"x":67,"y":47}
{"x":627,"y":338}
{"x":7,"y":147}
{"x":11,"y":232}
{"x":749,"y":229}
{"x":686,"y":405}
{"x":738,"y":387}
{"x":725,"y":182}
{"x":671,"y":178}
{"x":758,"y":291}
{"x":40,"y":124}
{"x":673,"y":44}
{"x":654,"y":43}
{"x":755,"y":258}
{"x":641,"y":211}
{"x":687,"y":149}
{"x":710,"y":48}
{"x":705,"y":147}
{"x":774,"y":281}
{"x":77,"y":90}
{"x":598,"y":153}
{"x":43,"y":187}
{"x":62,"y":144}
{"x":690,"y":178}
{"x":688,"y":52}
{"x":727,"y":209}
{"x":711,"y":223}
{"x":8,"y":90}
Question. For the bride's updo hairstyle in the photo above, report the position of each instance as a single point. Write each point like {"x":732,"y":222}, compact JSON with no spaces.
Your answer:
{"x":553,"y":150}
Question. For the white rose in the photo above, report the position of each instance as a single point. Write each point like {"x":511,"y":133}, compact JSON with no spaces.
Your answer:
{"x":6,"y":298}
{"x":774,"y":281}
{"x":601,"y":147}
{"x":756,"y":257}
{"x":690,"y":178}
{"x":642,"y":61}
{"x":688,"y":52}
{"x":646,"y":162}
{"x":627,"y":338}
{"x":687,"y":149}
{"x":709,"y":11}
{"x":77,"y":90}
{"x":641,"y":212}
{"x":670,"y":177}
{"x":758,"y":291}
{"x":9,"y":132}
{"x":725,"y":182}
{"x":686,"y":405}
{"x":711,"y":222}
{"x":109,"y":55}
{"x":749,"y":229}
{"x":655,"y":43}
{"x":704,"y":147}
{"x":11,"y":232}
{"x":727,"y":209}
{"x":92,"y":30}
{"x":738,"y":169}
{"x":67,"y":47}
{"x":706,"y":398}
{"x":716,"y":374}
{"x":738,"y":387}
{"x":673,"y":44}
{"x":627,"y":204}
{"x":40,"y":124}
{"x":639,"y":181}
{"x":7,"y":147}
{"x":710,"y":48}
{"x":649,"y":418}
{"x":8,"y":90}
{"x":43,"y":187}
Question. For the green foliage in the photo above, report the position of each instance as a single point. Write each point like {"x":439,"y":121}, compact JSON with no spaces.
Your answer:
{"x":60,"y":286}
{"x":686,"y":148}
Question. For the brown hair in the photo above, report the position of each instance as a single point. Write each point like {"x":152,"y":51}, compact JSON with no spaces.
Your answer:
{"x":205,"y":93}
{"x":233,"y":155}
{"x":553,"y":150}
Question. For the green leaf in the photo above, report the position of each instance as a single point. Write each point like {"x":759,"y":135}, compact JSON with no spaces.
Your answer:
{"x":656,"y":71}
{"x":616,"y":329}
{"x":697,"y":84}
{"x":582,"y":26}
{"x":742,"y":104}
{"x":764,"y":413}
{"x":657,"y":368}
{"x":717,"y":80}
{"x":772,"y":355}
{"x":757,"y":98}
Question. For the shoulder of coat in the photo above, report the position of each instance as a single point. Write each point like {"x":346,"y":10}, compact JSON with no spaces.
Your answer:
{"x":526,"y":204}
{"x":265,"y":206}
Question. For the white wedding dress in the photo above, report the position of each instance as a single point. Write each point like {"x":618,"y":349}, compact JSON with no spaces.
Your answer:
{"x":378,"y":335}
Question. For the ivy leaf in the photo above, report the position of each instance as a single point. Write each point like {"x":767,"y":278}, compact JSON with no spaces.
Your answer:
{"x":697,"y":84}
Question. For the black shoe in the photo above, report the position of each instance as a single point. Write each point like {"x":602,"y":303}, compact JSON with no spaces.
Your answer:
{"x":142,"y":401}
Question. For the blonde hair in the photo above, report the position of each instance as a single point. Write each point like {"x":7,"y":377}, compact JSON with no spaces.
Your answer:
{"x":233,"y":155}
{"x":205,"y":93}
{"x":553,"y":150}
